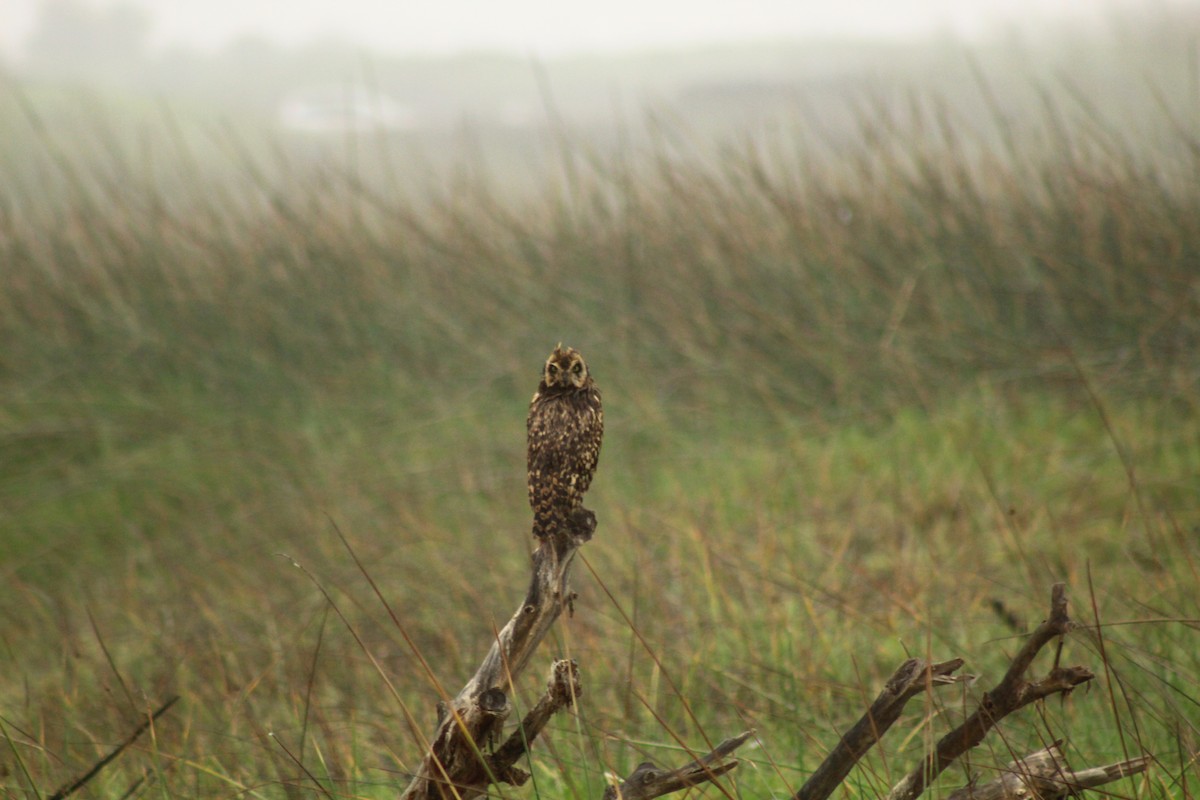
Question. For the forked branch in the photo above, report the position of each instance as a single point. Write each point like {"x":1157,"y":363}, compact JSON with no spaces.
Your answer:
{"x":561,"y":691}
{"x":456,"y":765}
{"x":1012,"y":693}
{"x":910,"y":679}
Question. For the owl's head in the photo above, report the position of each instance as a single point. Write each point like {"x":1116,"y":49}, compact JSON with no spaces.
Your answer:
{"x":565,"y":369}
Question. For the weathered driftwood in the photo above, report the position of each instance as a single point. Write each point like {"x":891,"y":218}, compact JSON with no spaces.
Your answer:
{"x":910,"y":679}
{"x":1012,"y":693}
{"x":1044,"y":775}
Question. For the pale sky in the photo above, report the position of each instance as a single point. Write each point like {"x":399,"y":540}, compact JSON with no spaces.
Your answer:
{"x":554,"y":27}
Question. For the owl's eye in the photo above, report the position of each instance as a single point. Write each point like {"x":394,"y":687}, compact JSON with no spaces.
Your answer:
{"x":553,"y":368}
{"x":577,"y":369}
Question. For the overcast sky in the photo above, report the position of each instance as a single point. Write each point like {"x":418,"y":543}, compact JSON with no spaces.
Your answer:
{"x":552,"y":27}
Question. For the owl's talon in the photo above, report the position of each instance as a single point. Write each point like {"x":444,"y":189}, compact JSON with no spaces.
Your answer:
{"x":583,"y":523}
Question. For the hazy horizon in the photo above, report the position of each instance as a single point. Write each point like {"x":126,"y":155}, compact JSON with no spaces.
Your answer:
{"x":548,"y":29}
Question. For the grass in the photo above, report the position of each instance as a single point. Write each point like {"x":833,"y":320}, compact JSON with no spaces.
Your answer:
{"x":864,"y":402}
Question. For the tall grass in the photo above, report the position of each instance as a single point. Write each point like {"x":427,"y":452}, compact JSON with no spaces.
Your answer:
{"x":861,"y":395}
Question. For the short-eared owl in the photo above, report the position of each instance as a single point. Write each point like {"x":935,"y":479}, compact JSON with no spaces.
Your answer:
{"x":565,"y":424}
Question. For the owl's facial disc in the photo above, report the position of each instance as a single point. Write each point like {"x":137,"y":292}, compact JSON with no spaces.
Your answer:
{"x":565,"y":368}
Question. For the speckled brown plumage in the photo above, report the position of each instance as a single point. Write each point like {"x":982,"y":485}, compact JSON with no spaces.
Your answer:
{"x":565,"y":425}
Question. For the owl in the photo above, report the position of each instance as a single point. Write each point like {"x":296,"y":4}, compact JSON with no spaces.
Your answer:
{"x":565,"y":426}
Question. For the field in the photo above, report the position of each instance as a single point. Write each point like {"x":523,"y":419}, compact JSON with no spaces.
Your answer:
{"x":865,"y":399}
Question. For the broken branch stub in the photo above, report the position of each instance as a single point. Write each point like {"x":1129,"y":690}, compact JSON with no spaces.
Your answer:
{"x":648,"y":780}
{"x":561,"y":691}
{"x":1045,"y":775}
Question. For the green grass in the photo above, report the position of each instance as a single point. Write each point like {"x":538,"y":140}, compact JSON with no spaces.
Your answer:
{"x":852,"y":402}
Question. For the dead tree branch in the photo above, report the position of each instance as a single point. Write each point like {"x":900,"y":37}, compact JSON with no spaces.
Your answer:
{"x":648,"y":780}
{"x":910,"y":679}
{"x":455,"y":765}
{"x":78,"y":783}
{"x":460,"y":763}
{"x":1012,"y":693}
{"x":1045,"y":775}
{"x":561,"y":691}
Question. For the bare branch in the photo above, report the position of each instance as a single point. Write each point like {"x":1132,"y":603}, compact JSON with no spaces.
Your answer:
{"x":455,"y":766}
{"x":1098,"y":776}
{"x":561,"y":691}
{"x":1044,"y":774}
{"x":910,"y":679}
{"x":78,"y":783}
{"x":648,"y":781}
{"x":546,"y":598}
{"x":1012,"y":693}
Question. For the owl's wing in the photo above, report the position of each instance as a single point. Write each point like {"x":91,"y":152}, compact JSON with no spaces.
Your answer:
{"x":544,"y":459}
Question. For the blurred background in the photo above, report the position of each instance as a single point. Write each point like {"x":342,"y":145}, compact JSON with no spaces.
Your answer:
{"x":895,"y":307}
{"x":466,"y":77}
